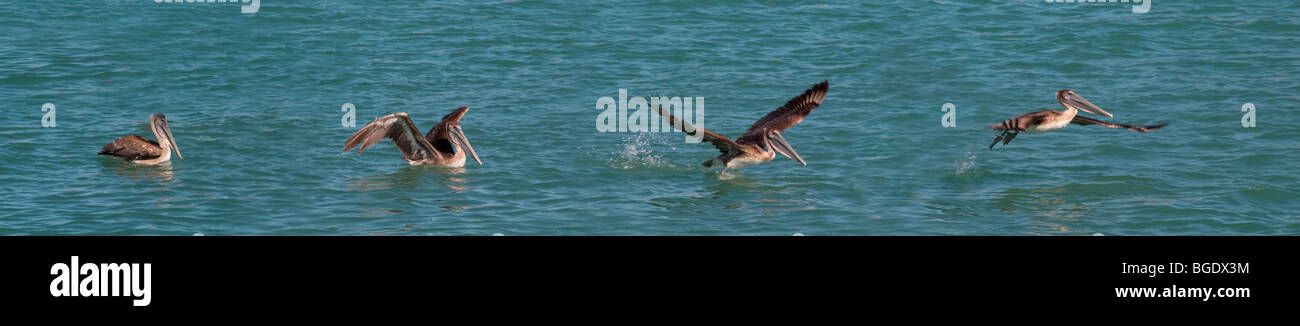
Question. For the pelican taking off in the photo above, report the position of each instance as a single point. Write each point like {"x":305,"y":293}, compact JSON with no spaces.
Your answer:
{"x":444,"y":145}
{"x":763,"y":139}
{"x":1048,"y":120}
{"x":141,"y":150}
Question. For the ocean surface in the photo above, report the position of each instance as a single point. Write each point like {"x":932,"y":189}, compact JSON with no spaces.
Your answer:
{"x":255,"y":103}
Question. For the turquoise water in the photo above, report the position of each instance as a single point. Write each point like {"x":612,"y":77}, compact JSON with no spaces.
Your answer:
{"x":254,"y":102}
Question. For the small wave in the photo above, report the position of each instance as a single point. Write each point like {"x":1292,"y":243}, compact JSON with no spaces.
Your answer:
{"x":821,"y":6}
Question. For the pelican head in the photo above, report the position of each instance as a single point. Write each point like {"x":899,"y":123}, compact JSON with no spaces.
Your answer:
{"x":158,"y":122}
{"x":777,"y":142}
{"x":457,"y":135}
{"x":1071,"y":100}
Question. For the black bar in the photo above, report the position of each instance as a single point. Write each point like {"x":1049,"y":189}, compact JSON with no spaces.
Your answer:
{"x":283,"y":274}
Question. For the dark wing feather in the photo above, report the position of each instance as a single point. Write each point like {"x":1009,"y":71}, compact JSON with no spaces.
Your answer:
{"x":439,"y":132}
{"x":792,"y":112}
{"x":1023,"y":121}
{"x":132,"y":148}
{"x":724,"y":144}
{"x":400,"y":128}
{"x":1082,"y":120}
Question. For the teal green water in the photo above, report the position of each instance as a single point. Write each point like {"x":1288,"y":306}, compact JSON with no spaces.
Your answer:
{"x":254,"y":102}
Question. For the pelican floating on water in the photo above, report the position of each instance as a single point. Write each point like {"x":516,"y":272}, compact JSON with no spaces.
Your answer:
{"x":763,"y":139}
{"x":444,"y":145}
{"x":141,"y":150}
{"x":1048,"y":120}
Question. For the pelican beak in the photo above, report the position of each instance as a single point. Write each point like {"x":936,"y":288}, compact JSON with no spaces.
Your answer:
{"x":164,"y":132}
{"x":1075,"y":101}
{"x":779,"y":144}
{"x":458,"y":136}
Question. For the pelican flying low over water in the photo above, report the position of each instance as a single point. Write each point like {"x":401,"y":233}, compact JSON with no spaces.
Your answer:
{"x":133,"y":148}
{"x":763,"y":139}
{"x":1048,"y":120}
{"x":444,"y":145}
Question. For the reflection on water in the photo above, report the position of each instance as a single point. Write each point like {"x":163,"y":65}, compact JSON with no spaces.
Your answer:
{"x":738,"y":192}
{"x":374,"y":213}
{"x":448,"y":208}
{"x":163,"y":174}
{"x":405,"y":228}
{"x":1052,"y":209}
{"x":410,"y":177}
{"x":721,"y":184}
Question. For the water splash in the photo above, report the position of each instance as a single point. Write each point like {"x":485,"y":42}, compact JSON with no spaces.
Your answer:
{"x":965,"y":167}
{"x":727,"y":176}
{"x":637,"y":152}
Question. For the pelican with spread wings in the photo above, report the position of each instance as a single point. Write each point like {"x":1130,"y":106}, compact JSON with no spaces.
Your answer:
{"x":1048,"y":120}
{"x":763,"y":139}
{"x":444,"y":145}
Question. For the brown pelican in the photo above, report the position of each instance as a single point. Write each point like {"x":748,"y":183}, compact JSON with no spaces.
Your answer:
{"x":444,"y":145}
{"x":141,"y":150}
{"x":1048,"y":120}
{"x":763,"y":139}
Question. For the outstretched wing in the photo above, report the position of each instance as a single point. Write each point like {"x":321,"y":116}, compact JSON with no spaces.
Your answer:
{"x":724,"y":144}
{"x":1082,"y":120}
{"x":791,"y":113}
{"x":439,"y":132}
{"x":400,"y":128}
{"x":448,"y":134}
